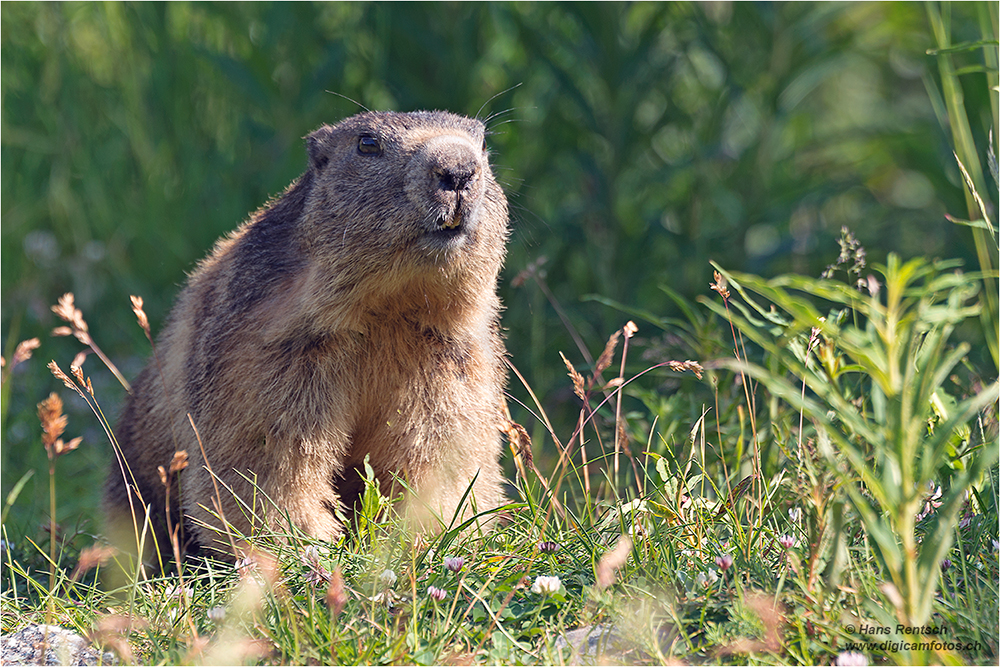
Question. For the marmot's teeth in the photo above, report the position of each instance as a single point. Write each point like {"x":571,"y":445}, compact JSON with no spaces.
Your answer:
{"x":454,"y":223}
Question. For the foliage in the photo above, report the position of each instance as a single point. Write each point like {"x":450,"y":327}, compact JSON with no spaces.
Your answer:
{"x":636,"y":142}
{"x":804,"y":479}
{"x":878,"y":402}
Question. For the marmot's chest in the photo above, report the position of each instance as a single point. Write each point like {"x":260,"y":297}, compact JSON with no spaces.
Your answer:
{"x":377,"y":365}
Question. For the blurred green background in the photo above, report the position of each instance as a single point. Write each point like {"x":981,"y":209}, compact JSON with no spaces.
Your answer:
{"x":635,"y":143}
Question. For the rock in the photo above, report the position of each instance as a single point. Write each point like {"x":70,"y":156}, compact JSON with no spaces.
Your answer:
{"x":590,"y":643}
{"x":64,"y":647}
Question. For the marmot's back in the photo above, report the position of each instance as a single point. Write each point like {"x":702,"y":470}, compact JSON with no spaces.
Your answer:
{"x":356,"y":315}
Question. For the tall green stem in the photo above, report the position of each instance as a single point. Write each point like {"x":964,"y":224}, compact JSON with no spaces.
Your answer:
{"x":52,"y":538}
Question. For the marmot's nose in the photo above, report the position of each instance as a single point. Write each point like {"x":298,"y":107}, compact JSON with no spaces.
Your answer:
{"x":455,"y":178}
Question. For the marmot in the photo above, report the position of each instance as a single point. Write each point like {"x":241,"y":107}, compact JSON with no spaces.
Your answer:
{"x":355,"y":315}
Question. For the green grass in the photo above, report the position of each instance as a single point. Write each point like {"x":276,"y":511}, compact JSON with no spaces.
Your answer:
{"x":759,"y":528}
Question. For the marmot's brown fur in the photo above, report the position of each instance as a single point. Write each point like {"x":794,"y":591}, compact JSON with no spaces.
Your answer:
{"x":356,"y":315}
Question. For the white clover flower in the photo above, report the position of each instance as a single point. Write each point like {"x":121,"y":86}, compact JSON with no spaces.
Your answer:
{"x":851,"y":659}
{"x":546,"y":585}
{"x":387,"y":579}
{"x":176,"y":591}
{"x":245,"y":566}
{"x":787,"y":541}
{"x":216,"y":615}
{"x":706,"y":579}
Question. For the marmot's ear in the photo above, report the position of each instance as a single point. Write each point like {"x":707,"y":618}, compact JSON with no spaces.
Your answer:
{"x":318,"y":146}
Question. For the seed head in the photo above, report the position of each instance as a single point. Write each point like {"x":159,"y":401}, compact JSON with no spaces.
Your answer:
{"x":22,"y":353}
{"x":574,"y":375}
{"x":179,"y":461}
{"x":608,"y":355}
{"x":720,"y":285}
{"x":53,"y":424}
{"x":693,"y":366}
{"x":140,"y":314}
{"x":68,"y":311}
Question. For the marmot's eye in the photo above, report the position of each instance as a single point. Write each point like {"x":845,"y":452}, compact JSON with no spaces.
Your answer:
{"x":484,"y":144}
{"x":368,"y":145}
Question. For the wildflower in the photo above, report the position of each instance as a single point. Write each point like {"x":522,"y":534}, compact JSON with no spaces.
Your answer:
{"x":795,"y":513}
{"x":851,"y":659}
{"x":945,"y":564}
{"x":931,"y":501}
{"x":387,"y":579}
{"x":436,"y":593}
{"x":546,"y":585}
{"x":176,"y":591}
{"x":245,"y":566}
{"x":874,"y":286}
{"x":996,"y":545}
{"x":612,"y":561}
{"x":548,"y":547}
{"x":814,"y":336}
{"x":706,"y":579}
{"x":638,"y":529}
{"x":851,"y":253}
{"x":317,"y":573}
{"x":787,"y":541}
{"x":336,"y":596}
{"x":724,"y":562}
{"x":90,"y":558}
{"x":216,"y":615}
{"x":454,"y":563}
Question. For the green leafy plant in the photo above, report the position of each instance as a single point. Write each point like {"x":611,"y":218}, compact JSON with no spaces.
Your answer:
{"x":870,"y":391}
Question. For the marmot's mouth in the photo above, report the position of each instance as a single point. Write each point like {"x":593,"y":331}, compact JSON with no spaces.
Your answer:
{"x":450,"y":224}
{"x":455,"y":222}
{"x":448,"y":233}
{"x":450,"y":228}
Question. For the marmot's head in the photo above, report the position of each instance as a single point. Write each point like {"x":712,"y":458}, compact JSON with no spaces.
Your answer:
{"x":405,"y":193}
